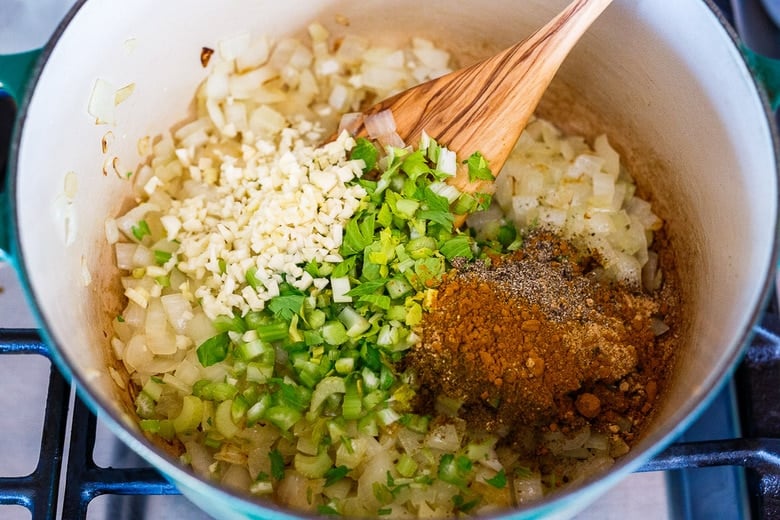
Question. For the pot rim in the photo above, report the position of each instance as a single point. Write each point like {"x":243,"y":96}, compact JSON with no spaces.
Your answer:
{"x":173,"y":470}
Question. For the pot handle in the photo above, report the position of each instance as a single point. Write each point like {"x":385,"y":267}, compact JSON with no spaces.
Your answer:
{"x":767,"y":71}
{"x":759,"y":35}
{"x":14,"y":73}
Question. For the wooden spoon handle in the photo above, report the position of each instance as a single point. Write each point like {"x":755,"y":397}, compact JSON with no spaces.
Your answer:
{"x":477,"y":108}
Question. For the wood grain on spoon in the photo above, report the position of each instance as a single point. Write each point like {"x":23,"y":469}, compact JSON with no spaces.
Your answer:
{"x":486,"y":106}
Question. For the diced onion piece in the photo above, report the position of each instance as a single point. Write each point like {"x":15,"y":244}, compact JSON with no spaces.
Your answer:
{"x":231,"y":48}
{"x":123,"y":93}
{"x":340,"y":287}
{"x":380,"y":124}
{"x":351,"y":122}
{"x":101,"y":102}
{"x":447,"y":162}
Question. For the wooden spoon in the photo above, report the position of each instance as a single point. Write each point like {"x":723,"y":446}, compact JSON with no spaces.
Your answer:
{"x":486,"y":106}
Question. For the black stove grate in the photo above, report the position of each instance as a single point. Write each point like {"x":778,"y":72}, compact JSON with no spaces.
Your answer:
{"x":84,"y":480}
{"x":757,"y":384}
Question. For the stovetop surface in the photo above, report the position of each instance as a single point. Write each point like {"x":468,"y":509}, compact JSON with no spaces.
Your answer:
{"x":54,"y":452}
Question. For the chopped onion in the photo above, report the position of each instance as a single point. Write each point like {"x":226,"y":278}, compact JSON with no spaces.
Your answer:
{"x":351,"y":122}
{"x":123,"y":93}
{"x":102,"y":102}
{"x":380,"y":124}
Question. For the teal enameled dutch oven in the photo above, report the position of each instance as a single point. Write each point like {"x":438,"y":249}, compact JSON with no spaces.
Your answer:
{"x":666,"y":81}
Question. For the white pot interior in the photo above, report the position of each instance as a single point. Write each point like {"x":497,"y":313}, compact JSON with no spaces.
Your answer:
{"x":662,"y":79}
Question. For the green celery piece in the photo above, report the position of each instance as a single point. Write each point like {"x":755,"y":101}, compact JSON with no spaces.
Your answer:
{"x":479,"y":168}
{"x":421,"y":247}
{"x":214,"y":349}
{"x":220,"y":391}
{"x":406,"y":465}
{"x":415,"y":165}
{"x":366,"y":151}
{"x":443,"y":218}
{"x":293,"y":396}
{"x":161,"y":257}
{"x":313,"y":466}
{"x":335,"y":474}
{"x":140,"y":230}
{"x":283,"y":417}
{"x":251,"y":278}
{"x":499,"y":480}
{"x":397,"y":287}
{"x":144,"y":405}
{"x":352,"y":405}
{"x":354,"y":322}
{"x":458,"y":246}
{"x":344,"y":268}
{"x":380,"y":301}
{"x":369,"y":287}
{"x":452,"y":470}
{"x":277,"y":464}
{"x":327,"y":387}
{"x":225,"y":323}
{"x":239,"y":408}
{"x":286,"y":306}
{"x":275,"y":330}
{"x":404,"y":208}
{"x":384,"y":216}
{"x":358,"y":234}
{"x":190,"y":416}
{"x":252,"y":350}
{"x":334,"y":333}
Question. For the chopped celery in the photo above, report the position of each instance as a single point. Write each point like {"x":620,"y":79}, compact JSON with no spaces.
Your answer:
{"x":334,"y":333}
{"x":277,"y":464}
{"x":458,"y":246}
{"x":335,"y":474}
{"x":406,"y":465}
{"x":273,"y":331}
{"x":340,"y":287}
{"x":251,"y":350}
{"x":315,"y":466}
{"x":398,"y":287}
{"x":140,"y":230}
{"x":355,"y":323}
{"x":224,"y":420}
{"x":225,"y":323}
{"x":239,"y":408}
{"x":161,"y":257}
{"x":257,"y":410}
{"x":286,"y":306}
{"x":214,"y":349}
{"x":154,"y":388}
{"x":352,"y":406}
{"x":499,"y":480}
{"x":190,"y":416}
{"x":455,"y":469}
{"x":387,"y":416}
{"x":144,"y":405}
{"x":367,"y":425}
{"x":344,"y":365}
{"x":325,"y":388}
{"x":283,"y":417}
{"x":251,"y":278}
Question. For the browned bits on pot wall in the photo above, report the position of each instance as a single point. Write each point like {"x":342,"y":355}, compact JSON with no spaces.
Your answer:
{"x":533,"y":340}
{"x":205,"y":56}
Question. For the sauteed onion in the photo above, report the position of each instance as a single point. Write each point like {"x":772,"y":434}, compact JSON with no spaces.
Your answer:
{"x":255,"y":345}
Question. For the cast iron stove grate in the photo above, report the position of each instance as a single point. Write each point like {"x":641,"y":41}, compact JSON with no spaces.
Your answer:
{"x":758,"y":451}
{"x":757,"y":384}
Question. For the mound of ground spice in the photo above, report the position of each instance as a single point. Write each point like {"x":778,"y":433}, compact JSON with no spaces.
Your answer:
{"x":533,"y":340}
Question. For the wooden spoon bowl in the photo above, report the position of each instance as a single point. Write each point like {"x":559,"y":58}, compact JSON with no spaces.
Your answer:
{"x":486,"y":106}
